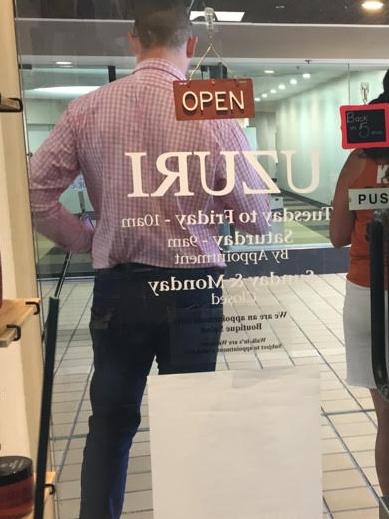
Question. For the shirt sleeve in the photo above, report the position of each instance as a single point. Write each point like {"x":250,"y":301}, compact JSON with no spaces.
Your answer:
{"x":52,"y":169}
{"x":232,"y":138}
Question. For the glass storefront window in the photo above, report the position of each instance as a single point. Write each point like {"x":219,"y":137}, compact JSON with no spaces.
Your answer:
{"x":291,"y":99}
{"x":278,"y":304}
{"x":48,"y":91}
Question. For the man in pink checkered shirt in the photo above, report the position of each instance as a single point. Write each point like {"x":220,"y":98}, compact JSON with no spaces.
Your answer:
{"x":146,"y":304}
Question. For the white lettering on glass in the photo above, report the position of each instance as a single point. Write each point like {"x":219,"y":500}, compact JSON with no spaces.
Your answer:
{"x":262,"y":173}
{"x":315,"y":179}
{"x":173,"y":176}
{"x":230,"y":173}
{"x":136,"y":160}
{"x":180,"y":175}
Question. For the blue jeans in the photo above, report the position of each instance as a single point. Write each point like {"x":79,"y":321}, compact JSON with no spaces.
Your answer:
{"x":130,"y":326}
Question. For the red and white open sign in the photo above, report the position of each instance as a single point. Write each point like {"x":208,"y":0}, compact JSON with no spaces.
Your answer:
{"x":365,"y":126}
{"x":214,"y":99}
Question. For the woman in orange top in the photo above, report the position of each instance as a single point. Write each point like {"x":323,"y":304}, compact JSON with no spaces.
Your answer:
{"x":363,"y":169}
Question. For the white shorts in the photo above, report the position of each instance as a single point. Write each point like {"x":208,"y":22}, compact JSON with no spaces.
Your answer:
{"x":357,"y":336}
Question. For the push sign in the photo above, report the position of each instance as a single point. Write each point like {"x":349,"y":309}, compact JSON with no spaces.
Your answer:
{"x":214,"y":99}
{"x":365,"y":126}
{"x":368,"y":199}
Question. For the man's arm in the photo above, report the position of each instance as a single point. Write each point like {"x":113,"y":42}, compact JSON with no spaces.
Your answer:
{"x":52,"y":169}
{"x":232,"y":138}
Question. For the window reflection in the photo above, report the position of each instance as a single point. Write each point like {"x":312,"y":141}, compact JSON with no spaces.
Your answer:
{"x":294,"y":129}
{"x":91,"y":9}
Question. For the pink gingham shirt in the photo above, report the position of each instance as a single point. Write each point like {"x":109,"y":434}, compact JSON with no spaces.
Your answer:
{"x":137,"y":114}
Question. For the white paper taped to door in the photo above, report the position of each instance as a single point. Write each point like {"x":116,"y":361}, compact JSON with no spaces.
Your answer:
{"x":236,"y":445}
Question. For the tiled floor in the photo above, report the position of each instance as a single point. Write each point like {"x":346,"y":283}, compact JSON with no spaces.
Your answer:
{"x":312,"y":335}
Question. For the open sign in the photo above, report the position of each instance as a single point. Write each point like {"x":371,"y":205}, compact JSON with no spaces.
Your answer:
{"x":214,"y":99}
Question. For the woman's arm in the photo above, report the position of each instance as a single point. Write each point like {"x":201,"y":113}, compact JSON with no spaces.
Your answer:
{"x":342,"y":219}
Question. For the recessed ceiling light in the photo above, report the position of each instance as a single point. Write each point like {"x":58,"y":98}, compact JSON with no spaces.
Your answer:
{"x":307,"y":75}
{"x":273,"y":91}
{"x":264,"y":96}
{"x":64,"y":63}
{"x":222,"y":16}
{"x":269,"y":71}
{"x":282,"y":86}
{"x":373,"y":5}
{"x":67,"y":90}
{"x":293,"y":81}
{"x":257,"y":99}
{"x":280,"y":7}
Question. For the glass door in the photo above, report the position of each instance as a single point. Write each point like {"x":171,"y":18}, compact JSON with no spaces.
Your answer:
{"x":267,"y":286}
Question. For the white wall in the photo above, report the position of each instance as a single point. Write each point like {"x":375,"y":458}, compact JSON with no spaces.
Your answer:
{"x":41,"y":117}
{"x":44,"y":111}
{"x":266,"y":137}
{"x":310,"y":122}
{"x":20,"y":363}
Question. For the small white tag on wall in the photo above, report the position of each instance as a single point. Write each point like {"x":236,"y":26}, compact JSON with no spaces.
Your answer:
{"x":368,"y":199}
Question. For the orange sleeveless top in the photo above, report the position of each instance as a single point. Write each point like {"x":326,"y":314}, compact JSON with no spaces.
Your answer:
{"x":359,"y":267}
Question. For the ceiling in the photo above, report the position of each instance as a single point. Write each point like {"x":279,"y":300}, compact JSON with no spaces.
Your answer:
{"x":257,"y":11}
{"x":98,"y":31}
{"x":302,"y":11}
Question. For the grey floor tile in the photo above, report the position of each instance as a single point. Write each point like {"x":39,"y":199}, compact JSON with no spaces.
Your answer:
{"x":65,"y":407}
{"x":70,"y":473}
{"x":62,"y":431}
{"x":139,"y":464}
{"x":70,"y":387}
{"x":137,"y":501}
{"x":68,"y":396}
{"x":138,"y":515}
{"x":74,"y":456}
{"x":69,"y":509}
{"x":69,"y":490}
{"x":137,"y":482}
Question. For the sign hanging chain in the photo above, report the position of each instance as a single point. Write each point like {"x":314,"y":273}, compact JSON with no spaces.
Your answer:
{"x":210,"y":19}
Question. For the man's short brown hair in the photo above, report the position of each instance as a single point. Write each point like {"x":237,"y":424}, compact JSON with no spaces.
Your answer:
{"x":169,"y":26}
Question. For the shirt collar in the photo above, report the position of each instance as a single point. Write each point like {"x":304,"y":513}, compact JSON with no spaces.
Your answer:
{"x":161,"y":65}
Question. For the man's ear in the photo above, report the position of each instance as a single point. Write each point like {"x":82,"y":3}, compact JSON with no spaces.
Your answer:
{"x":134,"y":43}
{"x":191,"y":46}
